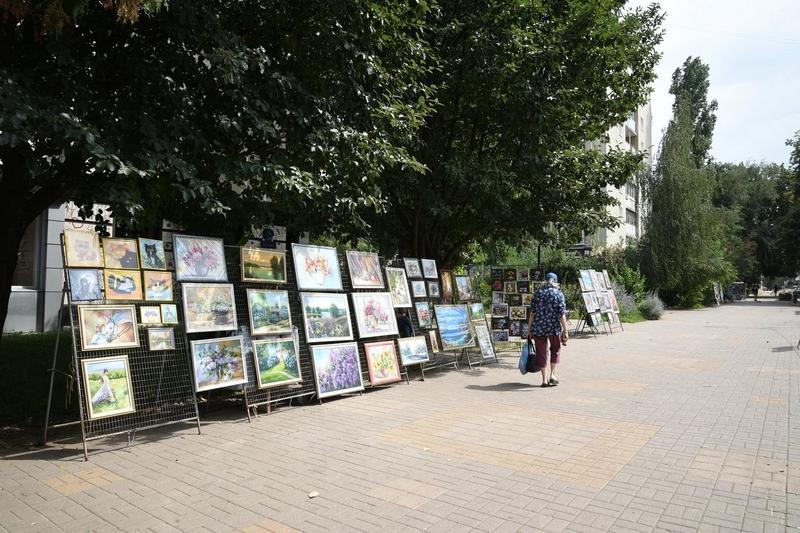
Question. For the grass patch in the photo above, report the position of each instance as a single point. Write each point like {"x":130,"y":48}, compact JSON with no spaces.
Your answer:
{"x":631,"y":317}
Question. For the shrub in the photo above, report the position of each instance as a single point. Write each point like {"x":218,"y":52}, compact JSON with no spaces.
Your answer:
{"x":632,"y":280}
{"x":626,"y":301}
{"x":572,"y":296}
{"x":785,"y":296}
{"x":652,"y":307}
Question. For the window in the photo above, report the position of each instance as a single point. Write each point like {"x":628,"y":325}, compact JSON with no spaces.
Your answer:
{"x":25,"y":273}
{"x":630,"y":217}
{"x":632,"y":190}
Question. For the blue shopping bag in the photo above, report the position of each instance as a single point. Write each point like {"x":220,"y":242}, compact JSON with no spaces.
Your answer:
{"x":527,"y":358}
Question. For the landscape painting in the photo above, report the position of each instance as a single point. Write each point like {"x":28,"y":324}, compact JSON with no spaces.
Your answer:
{"x":209,"y":307}
{"x":365,"y":270}
{"x":158,"y":286}
{"x":418,"y":289}
{"x":263,"y":266}
{"x":455,"y":327}
{"x":326,"y":317}
{"x":374,"y":314}
{"x":476,"y":311}
{"x":382,"y":363}
{"x":151,"y":252}
{"x":269,"y":312}
{"x":464,"y":286}
{"x":484,"y":341}
{"x":161,"y":339}
{"x":500,"y":335}
{"x":413,"y":350}
{"x":105,"y":327}
{"x":412,"y":267}
{"x":424,"y":314}
{"x":398,"y":287}
{"x":447,"y":285}
{"x":218,"y":363}
{"x":429,"y":269}
{"x":586,"y":282}
{"x":276,"y":362}
{"x":123,"y":284}
{"x":120,"y":253}
{"x":199,"y":258}
{"x":337,"y":369}
{"x":107,"y":386}
{"x":316,"y":267}
{"x":84,"y":284}
{"x":499,"y":310}
{"x":82,"y":248}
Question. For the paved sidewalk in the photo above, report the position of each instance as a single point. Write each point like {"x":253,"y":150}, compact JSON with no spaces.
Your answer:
{"x":684,"y":424}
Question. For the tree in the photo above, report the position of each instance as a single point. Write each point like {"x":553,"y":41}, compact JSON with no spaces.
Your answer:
{"x":790,"y":216}
{"x":690,"y":84}
{"x":521,"y":88}
{"x":246,"y":110}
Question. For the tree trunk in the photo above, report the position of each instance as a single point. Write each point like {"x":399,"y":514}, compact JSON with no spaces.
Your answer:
{"x":10,"y":238}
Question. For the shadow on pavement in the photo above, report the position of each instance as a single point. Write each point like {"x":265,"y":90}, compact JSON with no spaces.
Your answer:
{"x":784,"y":349}
{"x":504,"y":387}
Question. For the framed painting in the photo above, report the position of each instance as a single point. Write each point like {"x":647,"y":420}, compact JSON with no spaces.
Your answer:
{"x":526,"y":299}
{"x":374,"y":314}
{"x":596,"y":319}
{"x":496,"y":274}
{"x":412,"y":267}
{"x":209,"y":307}
{"x":429,"y":269}
{"x":382,"y":363}
{"x":447,"y":285}
{"x":523,"y":274}
{"x":498,"y":297}
{"x":434,"y":341}
{"x":365,"y":270}
{"x":613,"y":299}
{"x":523,"y":286}
{"x":107,"y":327}
{"x":277,"y":362}
{"x":260,"y":265}
{"x":337,"y":369}
{"x":433,"y":289}
{"x":509,"y":274}
{"x":500,"y":323}
{"x":497,"y":285}
{"x":398,"y":287}
{"x":326,"y":317}
{"x":605,"y":302}
{"x":150,"y":314}
{"x":418,"y":289}
{"x":455,"y":326}
{"x":158,"y":286}
{"x":476,"y":311}
{"x":107,"y":386}
{"x":500,"y":335}
{"x":413,"y":350}
{"x":269,"y":312}
{"x":84,"y":284}
{"x":199,"y":258}
{"x":120,"y":253}
{"x":484,"y":341}
{"x":586,"y":282}
{"x":607,"y":278}
{"x":82,"y":248}
{"x":499,"y":310}
{"x":514,"y":299}
{"x":515,"y":329}
{"x":151,"y":253}
{"x":536,"y":275}
{"x":122,"y":284}
{"x":160,"y":339}
{"x":218,"y":363}
{"x":613,"y":318}
{"x":316,"y":267}
{"x":598,"y":280}
{"x":424,"y":314}
{"x":169,"y":314}
{"x":464,"y":287}
{"x":518,"y":312}
{"x":588,"y":301}
{"x":510,"y":287}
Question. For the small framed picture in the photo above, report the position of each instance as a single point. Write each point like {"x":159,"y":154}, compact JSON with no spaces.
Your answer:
{"x":169,"y":314}
{"x":518,"y":312}
{"x":121,"y":253}
{"x":499,"y":310}
{"x":510,"y":287}
{"x":150,"y":314}
{"x":161,"y":339}
{"x":418,"y":289}
{"x":433,"y":289}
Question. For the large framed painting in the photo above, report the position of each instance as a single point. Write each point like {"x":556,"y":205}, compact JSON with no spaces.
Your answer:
{"x":464,"y":287}
{"x":365,"y":270}
{"x":447,"y":285}
{"x":455,"y":327}
{"x":484,"y":341}
{"x":107,"y":327}
{"x":82,"y":248}
{"x":277,"y":362}
{"x":374,"y":314}
{"x":157,"y":286}
{"x":199,"y":258}
{"x":316,"y":268}
{"x":263,"y":266}
{"x":413,"y":350}
{"x":412,"y":267}
{"x":518,"y":312}
{"x":429,"y":269}
{"x":159,"y":339}
{"x":586,"y":281}
{"x":418,"y":289}
{"x":424,"y":314}
{"x":120,"y":253}
{"x":269,"y":312}
{"x":398,"y":287}
{"x":337,"y":369}
{"x":218,"y":363}
{"x":476,"y":311}
{"x":151,"y":253}
{"x":123,"y":284}
{"x":326,"y":317}
{"x":433,"y":289}
{"x":209,"y":307}
{"x":84,"y":284}
{"x":107,"y":386}
{"x":382,"y":363}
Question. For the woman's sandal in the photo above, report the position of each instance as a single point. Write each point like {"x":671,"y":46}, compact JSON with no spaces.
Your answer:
{"x":553,"y":382}
{"x":544,"y":385}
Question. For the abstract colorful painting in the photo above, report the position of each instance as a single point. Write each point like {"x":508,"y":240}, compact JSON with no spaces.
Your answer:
{"x":107,"y":386}
{"x":398,"y":287}
{"x":120,"y":253}
{"x":199,"y":259}
{"x":429,"y":269}
{"x":337,"y":369}
{"x":382,"y":363}
{"x":263,"y":266}
{"x":209,"y":307}
{"x":82,"y":248}
{"x":157,"y":286}
{"x":105,"y":327}
{"x":276,"y":362}
{"x":365,"y":270}
{"x":326,"y":317}
{"x":123,"y":284}
{"x":413,"y":350}
{"x":455,"y":327}
{"x":218,"y":363}
{"x":316,"y":267}
{"x":151,"y":253}
{"x":269,"y":312}
{"x":374,"y":314}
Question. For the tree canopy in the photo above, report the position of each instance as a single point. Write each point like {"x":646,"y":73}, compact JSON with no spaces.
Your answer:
{"x":690,"y":84}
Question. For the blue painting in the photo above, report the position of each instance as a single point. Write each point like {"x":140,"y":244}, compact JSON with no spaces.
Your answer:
{"x":454,"y":326}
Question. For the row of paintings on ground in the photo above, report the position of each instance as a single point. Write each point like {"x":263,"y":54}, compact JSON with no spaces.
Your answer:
{"x":522,"y":274}
{"x":592,"y":280}
{"x":603,"y":301}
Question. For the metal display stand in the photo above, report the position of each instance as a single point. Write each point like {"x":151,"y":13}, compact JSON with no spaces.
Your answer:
{"x":161,"y":381}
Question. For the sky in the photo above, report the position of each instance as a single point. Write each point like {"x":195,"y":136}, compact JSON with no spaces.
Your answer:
{"x":753,"y":51}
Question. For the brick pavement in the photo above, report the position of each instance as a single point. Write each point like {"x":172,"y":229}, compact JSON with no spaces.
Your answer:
{"x":685,"y":424}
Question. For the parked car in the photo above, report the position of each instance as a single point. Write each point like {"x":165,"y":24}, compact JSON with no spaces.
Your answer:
{"x":795,"y":294}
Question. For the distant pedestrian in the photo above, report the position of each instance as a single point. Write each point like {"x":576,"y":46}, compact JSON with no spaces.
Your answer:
{"x":404,"y":324}
{"x":775,"y":289}
{"x":755,"y":292}
{"x":547,"y":324}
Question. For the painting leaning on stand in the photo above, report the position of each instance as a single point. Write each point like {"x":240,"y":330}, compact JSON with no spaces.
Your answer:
{"x":547,"y":323}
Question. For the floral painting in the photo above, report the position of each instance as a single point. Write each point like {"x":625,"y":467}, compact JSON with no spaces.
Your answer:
{"x":496,"y":274}
{"x":316,"y":267}
{"x":269,"y":312}
{"x":498,"y":297}
{"x":382,"y":363}
{"x":434,"y":341}
{"x":209,"y":307}
{"x":500,"y":323}
{"x":510,"y":287}
{"x":499,"y":310}
{"x":161,"y":339}
{"x":82,"y":248}
{"x":84,"y":284}
{"x":157,"y":286}
{"x":510,"y":274}
{"x":447,"y":285}
{"x":476,"y":311}
{"x":337,"y":369}
{"x":365,"y":270}
{"x":514,"y":329}
{"x":464,"y":286}
{"x":424,"y":314}
{"x":412,"y":267}
{"x":590,"y":301}
{"x":374,"y":314}
{"x":523,"y":274}
{"x":484,"y":341}
{"x":455,"y":327}
{"x":120,"y":253}
{"x":150,"y":314}
{"x":169,"y":313}
{"x":433,"y":289}
{"x":418,"y":289}
{"x":413,"y":350}
{"x":123,"y":284}
{"x":518,"y":312}
{"x":526,"y":299}
{"x":151,"y":253}
{"x":276,"y":362}
{"x":199,"y":259}
{"x":398,"y":287}
{"x":218,"y":363}
{"x":263,"y":266}
{"x":326,"y":317}
{"x":429,"y":269}
{"x":105,"y":327}
{"x":500,"y":335}
{"x":497,"y":285}
{"x":107,"y":386}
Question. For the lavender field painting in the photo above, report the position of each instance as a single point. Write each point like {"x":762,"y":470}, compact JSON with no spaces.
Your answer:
{"x":337,"y":369}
